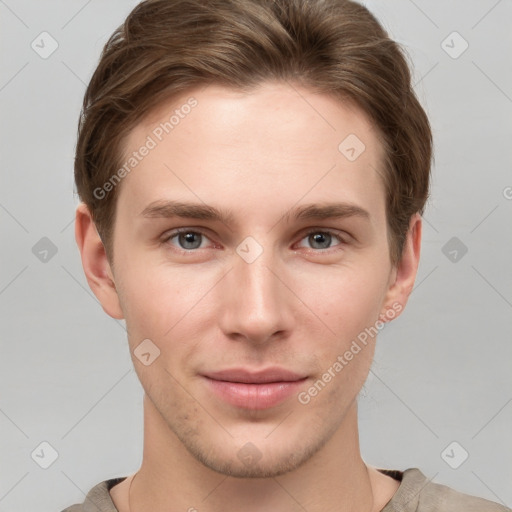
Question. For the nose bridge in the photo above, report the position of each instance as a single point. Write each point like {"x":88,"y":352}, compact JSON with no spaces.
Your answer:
{"x":259,"y":283}
{"x":257,"y":304}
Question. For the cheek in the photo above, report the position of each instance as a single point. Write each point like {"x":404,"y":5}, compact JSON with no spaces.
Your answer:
{"x":166,"y":305}
{"x":349,"y":304}
{"x":347,"y":300}
{"x":152,"y":293}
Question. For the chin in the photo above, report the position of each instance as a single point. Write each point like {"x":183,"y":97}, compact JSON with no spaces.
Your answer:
{"x":250,"y":462}
{"x":255,"y":453}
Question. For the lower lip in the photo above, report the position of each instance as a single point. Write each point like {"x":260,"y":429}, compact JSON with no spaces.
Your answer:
{"x":254,"y":396}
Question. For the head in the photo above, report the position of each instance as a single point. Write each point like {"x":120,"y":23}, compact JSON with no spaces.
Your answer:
{"x":284,"y":141}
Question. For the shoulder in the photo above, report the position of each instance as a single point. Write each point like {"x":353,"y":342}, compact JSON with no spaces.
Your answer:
{"x":418,"y":494}
{"x":98,"y":499}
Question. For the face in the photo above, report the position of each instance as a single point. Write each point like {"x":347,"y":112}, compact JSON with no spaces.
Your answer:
{"x":248,"y":239}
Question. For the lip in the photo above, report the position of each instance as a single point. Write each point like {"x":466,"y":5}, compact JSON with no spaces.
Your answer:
{"x":254,"y":390}
{"x":273,"y":374}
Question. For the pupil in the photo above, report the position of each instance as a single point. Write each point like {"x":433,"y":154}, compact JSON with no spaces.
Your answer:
{"x":322,"y":239}
{"x":187,"y":240}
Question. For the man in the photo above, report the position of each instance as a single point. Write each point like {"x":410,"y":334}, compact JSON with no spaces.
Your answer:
{"x":252,"y":176}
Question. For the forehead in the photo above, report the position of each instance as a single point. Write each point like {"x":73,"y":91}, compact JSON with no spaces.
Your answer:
{"x":277,"y":142}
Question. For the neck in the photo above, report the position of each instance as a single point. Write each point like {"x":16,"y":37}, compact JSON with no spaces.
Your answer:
{"x":335,"y":478}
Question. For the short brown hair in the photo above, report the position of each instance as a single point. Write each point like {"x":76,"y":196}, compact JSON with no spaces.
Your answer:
{"x":337,"y":47}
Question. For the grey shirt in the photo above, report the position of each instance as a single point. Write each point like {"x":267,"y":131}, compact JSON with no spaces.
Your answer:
{"x":415,"y":494}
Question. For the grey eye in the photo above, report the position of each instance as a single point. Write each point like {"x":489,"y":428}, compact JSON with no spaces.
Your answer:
{"x":320,"y":240}
{"x":189,"y":240}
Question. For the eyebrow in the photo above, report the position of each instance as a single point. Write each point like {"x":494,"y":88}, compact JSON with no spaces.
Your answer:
{"x":170,"y":209}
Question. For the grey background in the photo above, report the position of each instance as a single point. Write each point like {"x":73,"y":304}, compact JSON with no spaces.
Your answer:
{"x":442,"y":370}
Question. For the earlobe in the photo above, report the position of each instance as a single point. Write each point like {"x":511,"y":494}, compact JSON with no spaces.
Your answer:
{"x":95,"y":262}
{"x":403,"y":275}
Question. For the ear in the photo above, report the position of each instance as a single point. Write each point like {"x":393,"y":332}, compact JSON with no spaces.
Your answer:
{"x":403,"y":274}
{"x":95,"y":262}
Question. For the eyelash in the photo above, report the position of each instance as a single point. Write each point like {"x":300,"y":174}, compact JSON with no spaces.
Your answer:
{"x":178,"y":231}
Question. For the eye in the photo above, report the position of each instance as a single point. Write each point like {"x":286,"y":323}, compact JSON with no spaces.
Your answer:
{"x":322,"y":239}
{"x":189,"y":240}
{"x":186,"y":239}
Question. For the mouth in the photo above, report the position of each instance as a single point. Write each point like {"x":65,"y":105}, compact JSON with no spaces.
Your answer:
{"x":254,"y":390}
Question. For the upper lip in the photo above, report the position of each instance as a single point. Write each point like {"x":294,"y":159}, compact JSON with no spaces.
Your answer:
{"x":273,"y":374}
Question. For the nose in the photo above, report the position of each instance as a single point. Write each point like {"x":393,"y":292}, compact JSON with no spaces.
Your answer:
{"x":255,"y":303}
